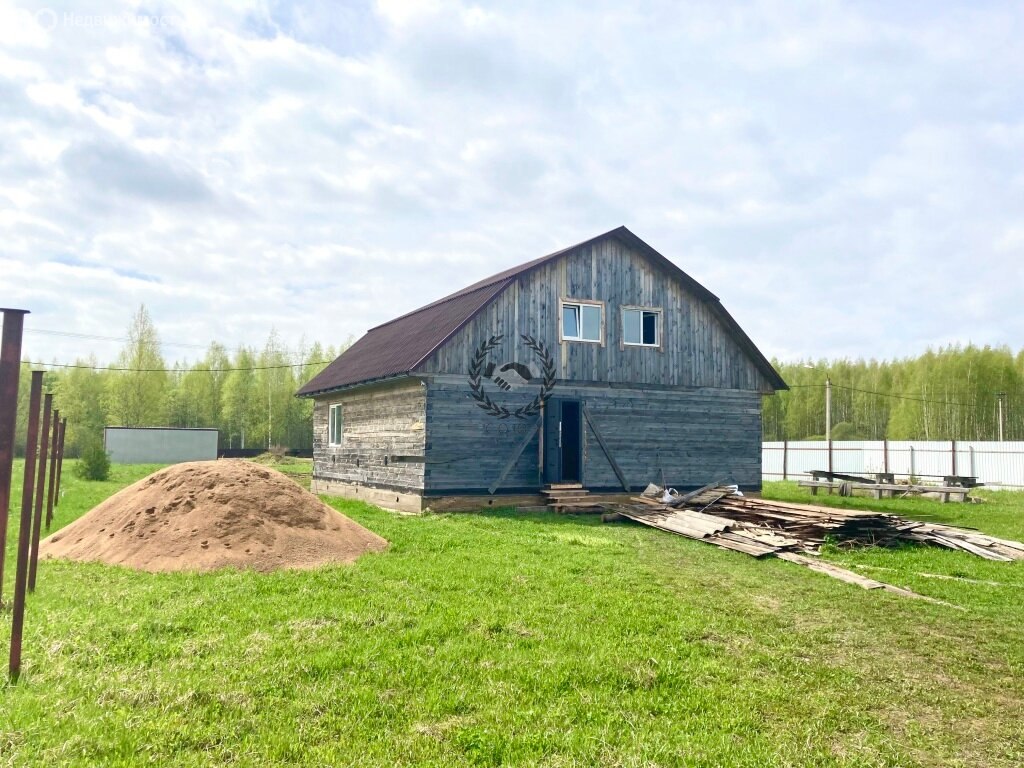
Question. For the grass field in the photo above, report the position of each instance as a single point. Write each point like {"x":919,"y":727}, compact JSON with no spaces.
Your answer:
{"x":505,"y":639}
{"x":299,"y":470}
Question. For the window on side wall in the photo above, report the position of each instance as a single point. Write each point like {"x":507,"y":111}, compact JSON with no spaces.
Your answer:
{"x":641,"y":327}
{"x":335,"y":425}
{"x":582,"y":321}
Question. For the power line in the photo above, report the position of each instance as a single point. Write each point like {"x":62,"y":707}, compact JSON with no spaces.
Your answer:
{"x":172,"y":370}
{"x":905,"y":396}
{"x":895,"y":395}
{"x":74,"y":335}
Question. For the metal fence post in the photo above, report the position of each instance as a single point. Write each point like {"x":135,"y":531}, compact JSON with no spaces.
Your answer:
{"x":37,"y":520}
{"x":952,"y":448}
{"x":60,"y":458}
{"x":21,"y":569}
{"x":912,"y":461}
{"x":53,"y":467}
{"x":885,"y":455}
{"x":10,"y":368}
{"x":785,"y":459}
{"x":830,"y":455}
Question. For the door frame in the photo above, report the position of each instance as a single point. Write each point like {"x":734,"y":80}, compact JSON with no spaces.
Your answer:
{"x":553,"y":440}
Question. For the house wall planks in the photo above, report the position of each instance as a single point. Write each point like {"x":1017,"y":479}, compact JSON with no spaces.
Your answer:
{"x":693,"y":436}
{"x":381,"y":423}
{"x":695,"y":350}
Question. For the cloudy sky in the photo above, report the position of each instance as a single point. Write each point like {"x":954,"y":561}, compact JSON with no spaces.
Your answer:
{"x":847,"y":177}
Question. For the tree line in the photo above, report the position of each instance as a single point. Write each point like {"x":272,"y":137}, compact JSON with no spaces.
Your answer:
{"x":953,"y":393}
{"x":248,"y":393}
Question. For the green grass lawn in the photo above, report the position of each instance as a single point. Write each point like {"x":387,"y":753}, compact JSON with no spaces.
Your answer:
{"x":298,"y":469}
{"x":506,"y":639}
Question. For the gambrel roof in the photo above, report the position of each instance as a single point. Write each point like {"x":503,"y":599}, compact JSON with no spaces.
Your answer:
{"x":400,"y":346}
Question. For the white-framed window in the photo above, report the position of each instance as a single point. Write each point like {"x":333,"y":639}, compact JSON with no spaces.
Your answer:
{"x":641,"y":326}
{"x":335,"y":424}
{"x":582,"y":321}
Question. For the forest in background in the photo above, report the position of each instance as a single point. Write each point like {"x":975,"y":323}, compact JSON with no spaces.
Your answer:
{"x":248,"y":394}
{"x":953,"y":393}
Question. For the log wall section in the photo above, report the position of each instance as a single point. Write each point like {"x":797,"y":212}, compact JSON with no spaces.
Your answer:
{"x":384,"y":427}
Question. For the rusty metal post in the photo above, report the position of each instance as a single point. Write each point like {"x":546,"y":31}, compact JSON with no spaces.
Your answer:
{"x":885,"y":455}
{"x":21,"y":569}
{"x":53,"y":467}
{"x":10,"y":368}
{"x":60,"y":458}
{"x":37,"y":520}
{"x":952,"y":449}
{"x":785,"y":459}
{"x":830,"y":456}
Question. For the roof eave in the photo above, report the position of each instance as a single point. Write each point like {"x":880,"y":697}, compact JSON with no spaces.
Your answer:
{"x":356,"y":384}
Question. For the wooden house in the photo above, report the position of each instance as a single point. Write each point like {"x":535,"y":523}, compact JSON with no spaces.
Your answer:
{"x":602,"y":364}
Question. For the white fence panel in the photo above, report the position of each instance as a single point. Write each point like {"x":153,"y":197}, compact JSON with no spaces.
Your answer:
{"x":997,"y":465}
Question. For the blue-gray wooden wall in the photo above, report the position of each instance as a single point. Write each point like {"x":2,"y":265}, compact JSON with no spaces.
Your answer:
{"x":689,"y":437}
{"x":697,"y":351}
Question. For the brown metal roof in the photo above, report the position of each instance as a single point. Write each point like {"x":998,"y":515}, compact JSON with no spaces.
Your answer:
{"x":399,"y":346}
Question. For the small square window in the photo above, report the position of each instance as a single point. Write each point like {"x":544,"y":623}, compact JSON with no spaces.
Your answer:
{"x":582,"y":322}
{"x":335,"y":426}
{"x":641,"y":327}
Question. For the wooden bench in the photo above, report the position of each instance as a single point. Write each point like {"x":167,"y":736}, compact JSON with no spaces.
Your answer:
{"x":888,"y":490}
{"x":814,"y":485}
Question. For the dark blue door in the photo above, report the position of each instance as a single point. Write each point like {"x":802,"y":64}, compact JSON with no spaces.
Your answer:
{"x":563,"y":441}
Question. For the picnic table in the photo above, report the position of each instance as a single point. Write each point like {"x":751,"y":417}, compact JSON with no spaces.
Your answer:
{"x":961,"y":481}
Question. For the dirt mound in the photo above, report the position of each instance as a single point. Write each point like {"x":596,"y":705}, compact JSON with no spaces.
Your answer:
{"x":203,"y":515}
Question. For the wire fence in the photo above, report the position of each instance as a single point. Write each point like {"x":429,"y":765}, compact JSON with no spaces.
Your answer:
{"x":996,"y":464}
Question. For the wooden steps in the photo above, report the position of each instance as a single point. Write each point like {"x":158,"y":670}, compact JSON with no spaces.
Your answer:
{"x":569,"y":497}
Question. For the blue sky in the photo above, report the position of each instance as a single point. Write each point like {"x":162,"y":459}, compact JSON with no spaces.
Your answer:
{"x":847,"y":177}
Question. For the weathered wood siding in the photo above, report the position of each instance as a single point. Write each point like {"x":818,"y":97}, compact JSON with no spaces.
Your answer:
{"x":692,"y":436}
{"x":380,"y":423}
{"x":466,"y":448}
{"x":696,"y":349}
{"x":695,"y":437}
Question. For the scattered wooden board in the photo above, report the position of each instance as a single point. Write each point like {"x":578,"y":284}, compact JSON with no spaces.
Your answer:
{"x":761,"y":528}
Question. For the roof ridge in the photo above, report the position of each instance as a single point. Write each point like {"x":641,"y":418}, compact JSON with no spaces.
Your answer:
{"x":504,"y":275}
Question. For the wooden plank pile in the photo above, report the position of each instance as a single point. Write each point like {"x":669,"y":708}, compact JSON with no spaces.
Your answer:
{"x":767,"y":527}
{"x":760,"y":528}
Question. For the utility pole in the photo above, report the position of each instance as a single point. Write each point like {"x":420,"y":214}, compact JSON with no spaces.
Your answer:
{"x":828,"y":408}
{"x":1000,"y":396}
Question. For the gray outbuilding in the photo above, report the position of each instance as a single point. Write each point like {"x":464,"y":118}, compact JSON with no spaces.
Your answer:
{"x":159,"y":445}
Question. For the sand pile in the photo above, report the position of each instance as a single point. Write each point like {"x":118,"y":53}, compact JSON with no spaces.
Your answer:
{"x":204,"y":515}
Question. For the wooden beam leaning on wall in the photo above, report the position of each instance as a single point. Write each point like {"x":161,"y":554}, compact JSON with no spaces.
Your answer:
{"x":515,"y":457}
{"x":604,"y":448}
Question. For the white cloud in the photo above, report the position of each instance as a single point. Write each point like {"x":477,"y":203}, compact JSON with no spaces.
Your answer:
{"x":823,"y":168}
